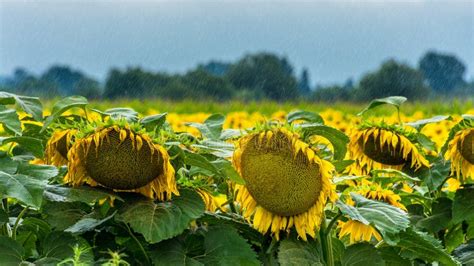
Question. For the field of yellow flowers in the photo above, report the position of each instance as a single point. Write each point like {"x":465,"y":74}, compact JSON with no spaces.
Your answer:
{"x":159,"y":183}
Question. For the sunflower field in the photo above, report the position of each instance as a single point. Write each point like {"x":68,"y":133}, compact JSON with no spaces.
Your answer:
{"x":89,"y":186}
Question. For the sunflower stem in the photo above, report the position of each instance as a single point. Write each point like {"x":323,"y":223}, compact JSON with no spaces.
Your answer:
{"x":326,"y":242}
{"x":17,"y":222}
{"x":138,"y":243}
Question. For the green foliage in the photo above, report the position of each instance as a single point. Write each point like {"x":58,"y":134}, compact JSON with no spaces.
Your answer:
{"x":443,"y":72}
{"x":392,"y":78}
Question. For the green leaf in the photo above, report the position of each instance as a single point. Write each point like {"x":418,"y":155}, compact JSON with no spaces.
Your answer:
{"x":388,"y":219}
{"x":81,"y":194}
{"x":338,"y":139}
{"x":463,"y":205}
{"x":392,"y":100}
{"x":8,"y":165}
{"x":419,"y":124}
{"x":435,"y":175}
{"x":224,"y":246}
{"x":22,"y":188}
{"x":59,"y":245}
{"x":62,"y":106}
{"x":178,"y":251}
{"x":35,"y":225}
{"x":218,"y":148}
{"x":304,"y":115}
{"x":391,"y":256}
{"x":227,"y":170}
{"x":454,"y":238}
{"x":465,"y":253}
{"x":128,"y":113}
{"x":70,"y":213}
{"x":11,"y":252}
{"x":194,"y":159}
{"x":211,"y":128}
{"x":153,"y":122}
{"x":292,"y":252}
{"x":342,"y":165}
{"x":426,"y":142}
{"x":440,"y":217}
{"x":31,"y":105}
{"x":362,"y":254}
{"x":33,"y":145}
{"x":87,"y":224}
{"x":9,"y":119}
{"x":418,"y":245}
{"x":38,"y":171}
{"x":393,"y":175}
{"x":164,"y":220}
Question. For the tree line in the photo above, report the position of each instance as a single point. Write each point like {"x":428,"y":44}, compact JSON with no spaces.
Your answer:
{"x":253,"y":77}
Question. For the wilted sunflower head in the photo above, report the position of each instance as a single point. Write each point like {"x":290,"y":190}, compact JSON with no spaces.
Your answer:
{"x":286,"y":183}
{"x":460,"y":150}
{"x":380,"y":146}
{"x":122,"y":159}
{"x":58,"y":146}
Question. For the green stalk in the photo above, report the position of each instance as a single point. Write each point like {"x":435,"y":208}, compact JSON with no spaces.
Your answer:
{"x":326,"y":241}
{"x":17,"y":222}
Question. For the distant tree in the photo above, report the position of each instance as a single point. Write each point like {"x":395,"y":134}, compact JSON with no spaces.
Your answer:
{"x":443,"y":72}
{"x":303,"y":83}
{"x":131,"y":83}
{"x":216,"y":68}
{"x":204,"y":85}
{"x":267,"y":73}
{"x":392,"y":78}
{"x":64,"y":77}
{"x":332,"y":94}
{"x":37,"y":87}
{"x":88,"y":88}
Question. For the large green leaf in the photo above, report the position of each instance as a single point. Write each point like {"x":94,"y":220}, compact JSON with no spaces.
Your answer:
{"x":33,"y":145}
{"x":419,"y":124}
{"x":9,"y":119}
{"x":128,"y":113}
{"x":11,"y":252}
{"x":60,"y":246}
{"x":153,"y":122}
{"x":362,"y":254}
{"x":391,"y":256}
{"x":211,"y":128}
{"x":184,"y":251}
{"x":81,"y":194}
{"x":465,"y":253}
{"x":224,"y":246}
{"x":419,"y":245}
{"x":392,"y":100}
{"x":69,"y":213}
{"x":440,"y":217}
{"x":388,"y":219}
{"x":435,"y":175}
{"x":88,"y":224}
{"x":62,"y":106}
{"x":220,"y":167}
{"x":338,"y":139}
{"x":292,"y":252}
{"x":160,"y":221}
{"x":22,"y":188}
{"x":215,"y":147}
{"x":305,"y":116}
{"x":38,"y":171}
{"x":31,"y":105}
{"x":463,"y":205}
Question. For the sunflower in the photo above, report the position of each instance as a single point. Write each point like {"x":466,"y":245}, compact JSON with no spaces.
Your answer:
{"x":58,"y":146}
{"x":118,"y":158}
{"x":287,"y":184}
{"x":213,"y":202}
{"x":382,"y":146}
{"x":359,"y":232}
{"x":460,"y":150}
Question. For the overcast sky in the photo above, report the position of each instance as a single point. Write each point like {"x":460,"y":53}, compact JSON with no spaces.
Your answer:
{"x":334,"y":40}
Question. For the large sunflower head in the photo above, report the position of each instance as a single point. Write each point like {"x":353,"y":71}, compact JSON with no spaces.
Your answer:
{"x":460,"y":150}
{"x":381,"y":146}
{"x":122,"y":159}
{"x":286,"y":183}
{"x":58,"y":146}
